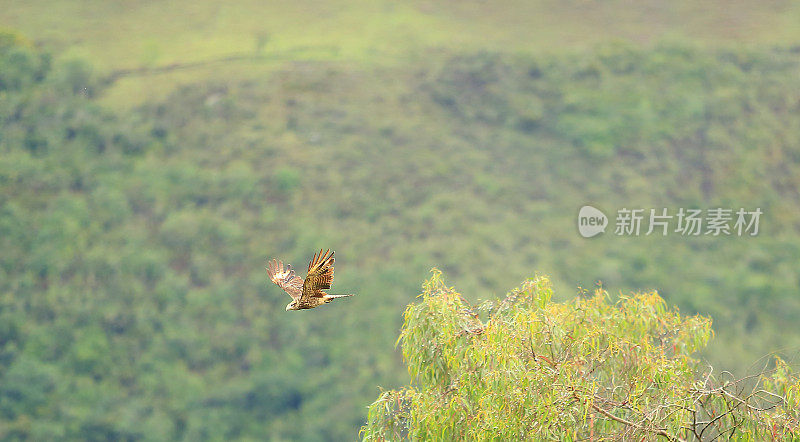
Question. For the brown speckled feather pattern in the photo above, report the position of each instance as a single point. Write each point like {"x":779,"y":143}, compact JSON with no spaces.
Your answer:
{"x":285,"y":278}
{"x":320,"y":275}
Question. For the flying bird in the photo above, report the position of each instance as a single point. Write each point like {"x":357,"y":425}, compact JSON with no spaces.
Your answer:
{"x":306,"y":293}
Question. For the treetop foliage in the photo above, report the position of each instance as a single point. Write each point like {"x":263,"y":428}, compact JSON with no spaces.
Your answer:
{"x":590,"y":368}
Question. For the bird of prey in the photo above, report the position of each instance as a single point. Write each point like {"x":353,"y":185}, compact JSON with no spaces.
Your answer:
{"x":306,"y":293}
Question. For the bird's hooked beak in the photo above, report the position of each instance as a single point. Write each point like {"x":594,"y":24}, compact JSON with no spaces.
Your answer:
{"x":290,"y":306}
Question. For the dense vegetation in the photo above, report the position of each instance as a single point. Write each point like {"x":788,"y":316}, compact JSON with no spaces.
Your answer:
{"x":132,"y":292}
{"x":581,"y":370}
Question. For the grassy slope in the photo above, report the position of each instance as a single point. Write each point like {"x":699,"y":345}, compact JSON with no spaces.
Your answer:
{"x":115,"y":35}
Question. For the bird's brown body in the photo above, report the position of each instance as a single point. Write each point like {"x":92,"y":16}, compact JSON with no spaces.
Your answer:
{"x":312,"y":302}
{"x":306,"y":293}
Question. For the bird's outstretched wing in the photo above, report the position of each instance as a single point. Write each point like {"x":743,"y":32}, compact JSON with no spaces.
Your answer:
{"x":285,"y":278}
{"x":320,"y":274}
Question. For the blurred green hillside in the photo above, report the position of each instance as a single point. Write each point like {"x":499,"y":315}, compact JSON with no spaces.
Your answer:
{"x":131,"y":34}
{"x":136,"y":215}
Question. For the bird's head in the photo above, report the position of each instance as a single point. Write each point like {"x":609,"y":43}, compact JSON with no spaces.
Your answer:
{"x":291,"y":306}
